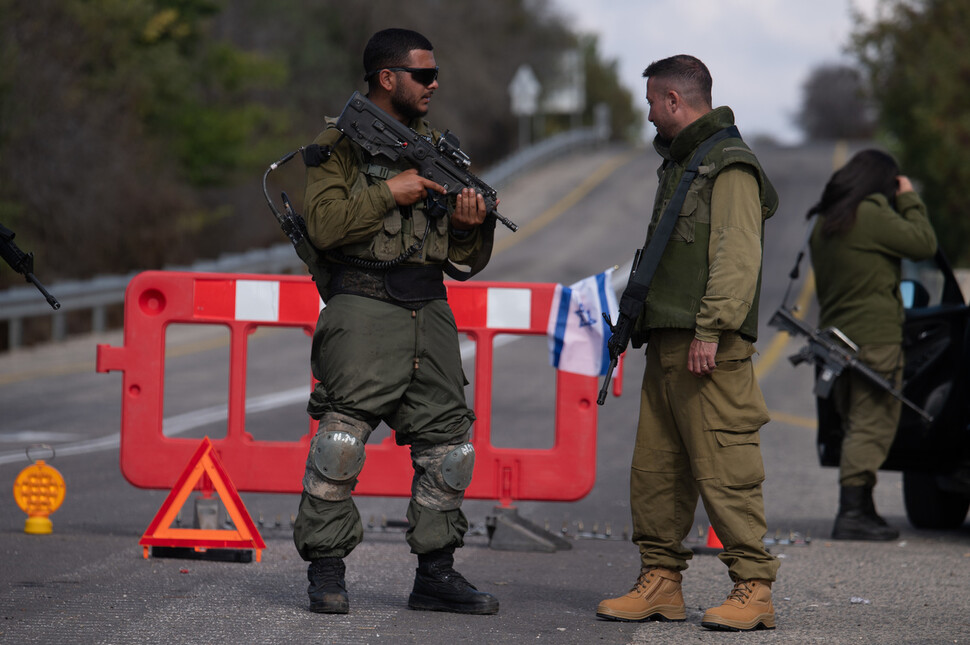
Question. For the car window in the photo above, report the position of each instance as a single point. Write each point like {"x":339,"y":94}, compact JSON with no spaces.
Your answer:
{"x":922,"y":284}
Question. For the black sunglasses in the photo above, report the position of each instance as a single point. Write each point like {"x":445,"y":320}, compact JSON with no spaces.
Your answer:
{"x":423,"y":75}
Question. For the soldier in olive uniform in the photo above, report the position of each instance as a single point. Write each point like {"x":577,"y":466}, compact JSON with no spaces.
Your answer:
{"x":701,"y":408}
{"x":386,"y":344}
{"x":869,"y":219}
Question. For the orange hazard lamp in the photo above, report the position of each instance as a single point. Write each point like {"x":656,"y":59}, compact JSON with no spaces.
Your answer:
{"x":39,"y":491}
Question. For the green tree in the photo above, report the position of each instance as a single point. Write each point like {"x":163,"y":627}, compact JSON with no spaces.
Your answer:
{"x":603,"y":86}
{"x":133,"y":132}
{"x":917,"y":57}
{"x":835,"y":105}
{"x":119,"y":119}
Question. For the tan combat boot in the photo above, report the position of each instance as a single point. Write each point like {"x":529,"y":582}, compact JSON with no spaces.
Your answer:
{"x":655,"y":596}
{"x":747,"y":607}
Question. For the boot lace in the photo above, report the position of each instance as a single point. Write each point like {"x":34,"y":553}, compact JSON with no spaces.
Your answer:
{"x":642,"y":582}
{"x":740,"y":593}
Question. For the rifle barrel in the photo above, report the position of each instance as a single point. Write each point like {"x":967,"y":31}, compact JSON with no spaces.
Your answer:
{"x":51,"y":300}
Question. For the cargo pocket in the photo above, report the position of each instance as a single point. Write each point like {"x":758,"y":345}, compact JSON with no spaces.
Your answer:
{"x":739,"y":463}
{"x":684,"y":227}
{"x":387,"y":244}
{"x":731,"y":399}
{"x":436,"y":248}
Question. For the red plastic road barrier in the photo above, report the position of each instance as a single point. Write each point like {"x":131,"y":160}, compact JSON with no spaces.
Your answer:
{"x":242,"y":303}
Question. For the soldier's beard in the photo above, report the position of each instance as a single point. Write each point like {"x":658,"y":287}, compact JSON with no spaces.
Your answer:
{"x":406,"y":106}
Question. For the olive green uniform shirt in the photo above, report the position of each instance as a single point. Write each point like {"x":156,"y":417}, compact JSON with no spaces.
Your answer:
{"x":734,"y":254}
{"x":857,"y":276}
{"x":857,"y":273}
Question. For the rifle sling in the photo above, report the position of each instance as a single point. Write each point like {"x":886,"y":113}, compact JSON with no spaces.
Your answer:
{"x":487,"y":229}
{"x":638,"y":286}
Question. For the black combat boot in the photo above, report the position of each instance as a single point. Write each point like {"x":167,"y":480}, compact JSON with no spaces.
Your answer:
{"x":438,"y":587}
{"x":857,"y":518}
{"x":327,"y":590}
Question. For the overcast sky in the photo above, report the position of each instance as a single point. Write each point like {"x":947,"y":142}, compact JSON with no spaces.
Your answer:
{"x":760,"y":52}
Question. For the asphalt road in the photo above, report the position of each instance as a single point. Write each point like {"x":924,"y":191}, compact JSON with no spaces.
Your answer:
{"x":88,"y":583}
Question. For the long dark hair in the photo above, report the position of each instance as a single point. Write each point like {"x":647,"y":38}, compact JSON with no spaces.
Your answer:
{"x":868,"y":172}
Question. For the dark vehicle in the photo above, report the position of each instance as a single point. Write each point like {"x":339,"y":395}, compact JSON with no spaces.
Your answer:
{"x":934,"y":456}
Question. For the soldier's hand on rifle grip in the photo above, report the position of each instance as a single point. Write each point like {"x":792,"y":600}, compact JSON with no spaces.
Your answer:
{"x":408,"y":187}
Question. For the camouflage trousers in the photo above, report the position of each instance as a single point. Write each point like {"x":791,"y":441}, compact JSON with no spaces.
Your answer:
{"x":376,"y":362}
{"x":699,"y":437}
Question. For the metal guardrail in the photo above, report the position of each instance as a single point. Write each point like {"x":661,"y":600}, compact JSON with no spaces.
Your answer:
{"x":97,"y":294}
{"x":541,"y":153}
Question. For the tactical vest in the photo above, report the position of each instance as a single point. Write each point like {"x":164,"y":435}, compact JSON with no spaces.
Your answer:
{"x":403,"y":226}
{"x":681,"y":279}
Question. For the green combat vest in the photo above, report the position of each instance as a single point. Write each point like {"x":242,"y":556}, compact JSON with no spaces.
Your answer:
{"x":402,"y":226}
{"x":681,"y":278}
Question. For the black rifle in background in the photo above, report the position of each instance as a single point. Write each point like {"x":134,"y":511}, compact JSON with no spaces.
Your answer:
{"x":833,"y":353}
{"x":22,"y":263}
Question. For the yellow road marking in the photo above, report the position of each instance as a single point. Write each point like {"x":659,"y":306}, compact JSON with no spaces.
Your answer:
{"x":792,"y":419}
{"x":59,"y":370}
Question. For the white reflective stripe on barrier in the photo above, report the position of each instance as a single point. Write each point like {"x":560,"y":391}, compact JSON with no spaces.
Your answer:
{"x":509,"y":308}
{"x":257,"y":300}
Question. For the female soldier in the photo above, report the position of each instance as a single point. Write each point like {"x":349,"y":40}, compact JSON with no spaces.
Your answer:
{"x":869,"y":219}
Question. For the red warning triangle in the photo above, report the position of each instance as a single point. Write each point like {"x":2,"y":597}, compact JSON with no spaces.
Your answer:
{"x":245,"y":535}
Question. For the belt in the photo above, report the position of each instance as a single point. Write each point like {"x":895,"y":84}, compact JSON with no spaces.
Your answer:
{"x":406,"y":286}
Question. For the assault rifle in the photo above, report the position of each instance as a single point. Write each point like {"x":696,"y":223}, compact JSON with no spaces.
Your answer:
{"x":22,"y":263}
{"x":381,"y":134}
{"x":833,"y":353}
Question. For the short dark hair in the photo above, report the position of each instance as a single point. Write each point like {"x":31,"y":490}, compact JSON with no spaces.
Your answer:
{"x":689,"y":72}
{"x":391,"y":48}
{"x":869,"y":172}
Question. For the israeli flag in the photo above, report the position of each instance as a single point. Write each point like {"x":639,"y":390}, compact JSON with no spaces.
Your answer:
{"x":576,"y":330}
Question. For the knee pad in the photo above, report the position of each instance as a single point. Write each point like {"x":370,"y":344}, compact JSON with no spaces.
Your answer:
{"x":336,"y":457}
{"x":441,"y":475}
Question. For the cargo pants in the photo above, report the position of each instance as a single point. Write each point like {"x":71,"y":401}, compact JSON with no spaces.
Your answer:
{"x":375,"y":362}
{"x":870,"y":415}
{"x":699,"y":436}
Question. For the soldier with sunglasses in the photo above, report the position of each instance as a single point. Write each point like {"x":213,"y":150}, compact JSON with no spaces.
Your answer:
{"x":386,"y":344}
